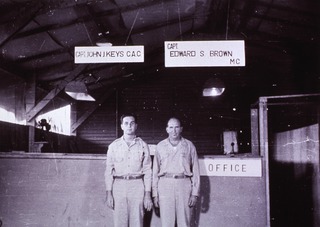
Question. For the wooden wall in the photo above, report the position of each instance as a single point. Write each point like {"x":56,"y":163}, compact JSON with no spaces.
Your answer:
{"x":69,"y":190}
{"x":155,"y":101}
{"x":100,"y":129}
{"x":294,"y":163}
{"x":13,"y":137}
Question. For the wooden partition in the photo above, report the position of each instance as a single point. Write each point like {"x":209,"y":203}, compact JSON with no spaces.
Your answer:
{"x":69,"y":190}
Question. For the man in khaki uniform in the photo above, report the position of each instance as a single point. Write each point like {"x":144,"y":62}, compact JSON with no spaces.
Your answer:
{"x":128,"y":176}
{"x":176,"y":177}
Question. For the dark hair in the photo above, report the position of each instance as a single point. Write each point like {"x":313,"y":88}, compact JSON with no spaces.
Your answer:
{"x":128,"y":115}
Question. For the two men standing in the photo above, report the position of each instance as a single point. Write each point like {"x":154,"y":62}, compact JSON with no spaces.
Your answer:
{"x":175,"y":179}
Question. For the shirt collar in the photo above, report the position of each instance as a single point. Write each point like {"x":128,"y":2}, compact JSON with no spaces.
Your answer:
{"x":135,"y":139}
{"x":181,"y":140}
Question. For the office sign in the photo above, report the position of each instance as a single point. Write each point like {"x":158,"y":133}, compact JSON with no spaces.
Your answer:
{"x":108,"y":54}
{"x":204,"y":53}
{"x":230,"y":167}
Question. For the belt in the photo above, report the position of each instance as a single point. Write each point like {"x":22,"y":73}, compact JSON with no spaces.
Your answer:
{"x":175,"y":175}
{"x":128,"y":177}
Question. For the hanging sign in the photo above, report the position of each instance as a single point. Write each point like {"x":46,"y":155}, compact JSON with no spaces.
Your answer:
{"x":108,"y":54}
{"x":204,"y":53}
{"x":230,"y":167}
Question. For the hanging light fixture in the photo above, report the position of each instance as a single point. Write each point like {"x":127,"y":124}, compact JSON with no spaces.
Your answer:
{"x":213,"y":87}
{"x":104,"y":44}
{"x":78,"y":91}
{"x":103,"y":40}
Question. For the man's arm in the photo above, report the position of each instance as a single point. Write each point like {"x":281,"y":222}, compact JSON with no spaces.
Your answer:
{"x":109,"y":199}
{"x":195,"y":172}
{"x":195,"y":179}
{"x":109,"y":178}
{"x":155,"y":179}
{"x":147,"y":201}
{"x":147,"y":171}
{"x":146,"y":167}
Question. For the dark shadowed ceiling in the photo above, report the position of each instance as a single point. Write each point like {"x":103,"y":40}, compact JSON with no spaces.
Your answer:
{"x":37,"y":39}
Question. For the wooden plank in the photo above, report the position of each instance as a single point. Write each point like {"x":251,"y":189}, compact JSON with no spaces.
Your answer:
{"x":264,"y":148}
{"x":69,"y":190}
{"x":254,"y":132}
{"x":20,"y":21}
{"x":30,"y":102}
{"x":53,"y":93}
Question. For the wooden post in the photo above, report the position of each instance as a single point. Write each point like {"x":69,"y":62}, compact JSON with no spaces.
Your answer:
{"x":30,"y":103}
{"x":264,"y":148}
{"x":254,"y":132}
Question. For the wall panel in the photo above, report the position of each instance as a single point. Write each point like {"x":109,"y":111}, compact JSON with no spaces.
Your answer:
{"x":155,"y":101}
{"x":56,"y":190}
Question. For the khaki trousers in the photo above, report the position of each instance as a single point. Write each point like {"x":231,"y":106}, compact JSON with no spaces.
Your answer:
{"x":174,"y":197}
{"x":128,"y":202}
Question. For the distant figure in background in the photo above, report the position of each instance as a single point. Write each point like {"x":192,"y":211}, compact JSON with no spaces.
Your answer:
{"x":44,"y":125}
{"x":45,"y":128}
{"x":128,"y":176}
{"x":45,"y":136}
{"x":176,"y":178}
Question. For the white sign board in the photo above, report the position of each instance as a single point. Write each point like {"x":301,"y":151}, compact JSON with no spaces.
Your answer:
{"x":231,"y":167}
{"x":204,"y":53}
{"x":108,"y":54}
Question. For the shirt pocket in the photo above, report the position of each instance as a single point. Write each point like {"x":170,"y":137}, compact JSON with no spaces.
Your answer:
{"x":185,"y":157}
{"x":164,"y":157}
{"x":118,"y":158}
{"x":138,"y":156}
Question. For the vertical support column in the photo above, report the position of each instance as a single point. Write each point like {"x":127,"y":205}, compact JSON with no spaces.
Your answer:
{"x":318,"y":167}
{"x":254,"y":132}
{"x":74,"y":117}
{"x":316,"y":179}
{"x":30,"y":103}
{"x":264,"y":148}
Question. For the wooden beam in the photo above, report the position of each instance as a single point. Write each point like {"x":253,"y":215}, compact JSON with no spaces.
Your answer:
{"x":264,"y":148}
{"x":254,"y":131}
{"x":91,"y":110}
{"x":21,"y":19}
{"x":54,"y":92}
{"x":30,"y":102}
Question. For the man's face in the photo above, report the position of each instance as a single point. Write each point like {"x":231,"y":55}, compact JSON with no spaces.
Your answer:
{"x":174,"y":129}
{"x":129,"y":126}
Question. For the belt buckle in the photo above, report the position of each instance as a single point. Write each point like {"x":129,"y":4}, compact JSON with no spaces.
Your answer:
{"x":175,"y":176}
{"x":127,"y":177}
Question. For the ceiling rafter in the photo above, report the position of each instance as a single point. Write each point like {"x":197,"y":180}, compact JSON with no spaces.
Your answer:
{"x":25,"y":15}
{"x":53,"y":26}
{"x":54,"y":92}
{"x":65,"y":24}
{"x":109,"y":12}
{"x":312,"y":11}
{"x":280,"y":20}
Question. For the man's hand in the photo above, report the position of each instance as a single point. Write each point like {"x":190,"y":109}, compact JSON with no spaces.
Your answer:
{"x":109,"y":199}
{"x":193,"y":200}
{"x":147,"y":201}
{"x":156,"y":201}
